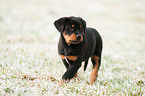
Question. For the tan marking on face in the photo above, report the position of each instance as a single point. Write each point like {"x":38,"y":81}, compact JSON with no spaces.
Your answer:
{"x":94,"y":72}
{"x":62,"y":57}
{"x":80,"y":26}
{"x":81,"y":38}
{"x":73,"y":26}
{"x":71,"y":37}
{"x":72,"y":58}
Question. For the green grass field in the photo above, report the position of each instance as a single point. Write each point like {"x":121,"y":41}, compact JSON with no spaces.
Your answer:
{"x":28,"y":46}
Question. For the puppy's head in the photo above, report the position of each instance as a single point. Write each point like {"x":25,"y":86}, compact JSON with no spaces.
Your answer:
{"x":72,"y":29}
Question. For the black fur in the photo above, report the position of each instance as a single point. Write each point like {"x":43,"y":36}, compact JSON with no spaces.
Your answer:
{"x":89,"y":46}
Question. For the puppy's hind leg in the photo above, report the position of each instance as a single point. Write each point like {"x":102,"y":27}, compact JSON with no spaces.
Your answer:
{"x":94,"y":73}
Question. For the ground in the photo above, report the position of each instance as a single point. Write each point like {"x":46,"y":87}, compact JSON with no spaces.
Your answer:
{"x":29,"y":62}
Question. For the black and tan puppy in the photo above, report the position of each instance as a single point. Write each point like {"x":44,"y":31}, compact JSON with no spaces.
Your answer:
{"x":77,"y":44}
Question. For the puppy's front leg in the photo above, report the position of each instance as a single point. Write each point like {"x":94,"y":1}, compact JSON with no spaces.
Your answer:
{"x":71,"y":71}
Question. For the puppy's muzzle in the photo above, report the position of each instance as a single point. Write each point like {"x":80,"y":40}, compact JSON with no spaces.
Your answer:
{"x":78,"y":37}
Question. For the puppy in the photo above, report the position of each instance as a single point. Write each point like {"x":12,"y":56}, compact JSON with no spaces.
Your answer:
{"x":78,"y":43}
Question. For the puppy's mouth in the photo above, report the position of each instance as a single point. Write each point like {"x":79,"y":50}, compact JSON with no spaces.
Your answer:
{"x":74,"y":42}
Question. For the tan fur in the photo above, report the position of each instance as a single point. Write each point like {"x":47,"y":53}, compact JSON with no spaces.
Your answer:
{"x":94,"y":73}
{"x":62,"y":57}
{"x":71,"y":37}
{"x":73,"y":58}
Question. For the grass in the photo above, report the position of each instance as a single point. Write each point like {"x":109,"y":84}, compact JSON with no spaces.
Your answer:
{"x":28,"y":46}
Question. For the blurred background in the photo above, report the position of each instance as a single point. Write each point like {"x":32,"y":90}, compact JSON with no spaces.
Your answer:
{"x":121,"y":23}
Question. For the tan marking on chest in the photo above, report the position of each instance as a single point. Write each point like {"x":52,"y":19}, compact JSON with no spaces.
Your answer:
{"x":62,"y":57}
{"x":72,"y":58}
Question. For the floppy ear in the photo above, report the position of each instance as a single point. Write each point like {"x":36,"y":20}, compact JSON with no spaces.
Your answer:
{"x":83,"y":22}
{"x":60,"y":23}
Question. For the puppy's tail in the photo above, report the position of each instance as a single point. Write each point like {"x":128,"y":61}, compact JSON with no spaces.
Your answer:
{"x":85,"y":66}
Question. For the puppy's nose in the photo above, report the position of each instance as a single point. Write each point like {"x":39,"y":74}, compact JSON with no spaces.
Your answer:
{"x":78,"y":37}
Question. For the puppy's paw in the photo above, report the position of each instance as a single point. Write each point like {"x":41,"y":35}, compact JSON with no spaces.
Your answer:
{"x":61,"y":82}
{"x":93,"y":77}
